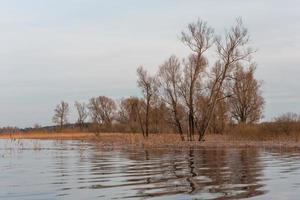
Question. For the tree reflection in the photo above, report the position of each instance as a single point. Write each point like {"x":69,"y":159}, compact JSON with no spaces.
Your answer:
{"x":197,"y":173}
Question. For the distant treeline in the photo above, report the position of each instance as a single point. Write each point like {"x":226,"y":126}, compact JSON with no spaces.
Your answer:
{"x":9,"y":129}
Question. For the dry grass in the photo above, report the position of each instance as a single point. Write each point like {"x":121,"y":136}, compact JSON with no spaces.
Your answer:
{"x":262,"y":133}
{"x":248,"y":138}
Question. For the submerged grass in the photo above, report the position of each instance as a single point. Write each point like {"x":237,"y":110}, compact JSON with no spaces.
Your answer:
{"x":248,"y":137}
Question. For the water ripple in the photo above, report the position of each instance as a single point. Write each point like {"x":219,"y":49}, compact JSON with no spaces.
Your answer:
{"x":85,"y":170}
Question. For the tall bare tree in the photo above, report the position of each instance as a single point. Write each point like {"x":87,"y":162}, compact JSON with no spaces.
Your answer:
{"x":231,"y":50}
{"x":61,"y":113}
{"x":148,"y":85}
{"x":169,"y":78}
{"x":82,"y":112}
{"x":199,"y":38}
{"x":102,"y":111}
{"x":246,"y":103}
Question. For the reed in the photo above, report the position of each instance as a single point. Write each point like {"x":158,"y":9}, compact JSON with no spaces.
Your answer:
{"x":238,"y":137}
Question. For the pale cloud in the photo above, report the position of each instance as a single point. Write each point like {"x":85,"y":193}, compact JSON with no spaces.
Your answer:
{"x":76,"y":49}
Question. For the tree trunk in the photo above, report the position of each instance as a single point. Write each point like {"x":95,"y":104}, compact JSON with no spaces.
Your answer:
{"x":213,"y":105}
{"x":141,"y":123}
{"x":61,"y":124}
{"x":147,"y":117}
{"x":191,"y":125}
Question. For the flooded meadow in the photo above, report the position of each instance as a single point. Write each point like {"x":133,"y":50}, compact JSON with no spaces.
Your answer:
{"x":45,"y":169}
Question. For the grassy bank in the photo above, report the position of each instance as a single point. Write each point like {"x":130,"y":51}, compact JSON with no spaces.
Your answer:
{"x":167,"y":140}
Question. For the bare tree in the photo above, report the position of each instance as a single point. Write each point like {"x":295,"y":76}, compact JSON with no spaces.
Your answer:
{"x":82,"y":112}
{"x":246,"y":103}
{"x":94,"y":109}
{"x":61,"y":113}
{"x":129,"y":113}
{"x":232,"y":50}
{"x":199,"y":38}
{"x":148,"y":85}
{"x":169,"y":78}
{"x":102,"y":111}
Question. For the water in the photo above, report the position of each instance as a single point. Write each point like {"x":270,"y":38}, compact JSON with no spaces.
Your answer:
{"x":84,"y":170}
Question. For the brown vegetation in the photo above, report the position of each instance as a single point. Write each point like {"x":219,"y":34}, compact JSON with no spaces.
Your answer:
{"x":241,"y":136}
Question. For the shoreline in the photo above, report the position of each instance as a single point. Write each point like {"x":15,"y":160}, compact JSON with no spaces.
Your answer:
{"x":156,"y":141}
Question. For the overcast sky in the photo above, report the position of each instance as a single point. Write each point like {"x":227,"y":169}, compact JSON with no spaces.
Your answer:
{"x":52,"y":50}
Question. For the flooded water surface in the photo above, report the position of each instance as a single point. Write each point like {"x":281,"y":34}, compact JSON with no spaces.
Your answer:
{"x":84,"y":170}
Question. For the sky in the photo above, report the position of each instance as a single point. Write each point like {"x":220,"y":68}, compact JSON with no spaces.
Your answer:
{"x":53,"y":50}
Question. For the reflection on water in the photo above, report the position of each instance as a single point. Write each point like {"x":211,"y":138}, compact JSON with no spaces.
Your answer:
{"x":82,"y":170}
